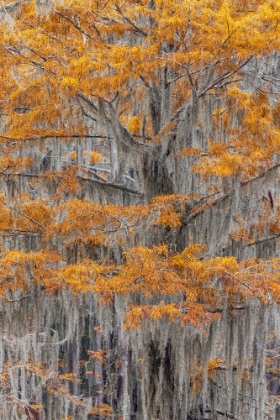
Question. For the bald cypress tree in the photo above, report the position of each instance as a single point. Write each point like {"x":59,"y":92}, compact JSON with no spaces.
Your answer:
{"x":139,"y":215}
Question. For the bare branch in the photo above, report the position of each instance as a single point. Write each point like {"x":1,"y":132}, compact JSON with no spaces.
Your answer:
{"x":61,"y":136}
{"x":17,"y":300}
{"x":112,"y":185}
{"x":226,"y":414}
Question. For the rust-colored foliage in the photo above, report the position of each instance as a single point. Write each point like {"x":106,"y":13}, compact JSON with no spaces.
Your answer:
{"x":92,"y":99}
{"x":55,"y":66}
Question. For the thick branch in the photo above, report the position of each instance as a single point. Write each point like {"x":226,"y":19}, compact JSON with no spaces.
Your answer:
{"x":17,"y":300}
{"x":113,"y":185}
{"x":88,"y":101}
{"x":61,"y":136}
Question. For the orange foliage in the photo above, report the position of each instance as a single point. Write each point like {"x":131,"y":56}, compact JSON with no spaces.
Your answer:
{"x":54,"y":67}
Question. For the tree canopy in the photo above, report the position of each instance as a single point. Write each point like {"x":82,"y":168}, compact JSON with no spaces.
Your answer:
{"x":140,"y":145}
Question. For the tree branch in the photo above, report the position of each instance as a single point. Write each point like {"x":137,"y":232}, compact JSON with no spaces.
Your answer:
{"x":133,"y":24}
{"x":224,"y":76}
{"x":30,"y":218}
{"x":111,"y":184}
{"x":259,"y":241}
{"x":17,"y":300}
{"x":88,"y":101}
{"x":62,"y":136}
{"x":27,"y":217}
{"x":75,"y":24}
{"x":226,"y":414}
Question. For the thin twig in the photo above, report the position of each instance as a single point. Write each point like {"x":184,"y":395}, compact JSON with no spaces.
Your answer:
{"x":136,"y":27}
{"x":74,"y":24}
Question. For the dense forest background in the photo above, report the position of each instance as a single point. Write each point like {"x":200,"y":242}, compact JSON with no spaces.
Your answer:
{"x":139,"y":210}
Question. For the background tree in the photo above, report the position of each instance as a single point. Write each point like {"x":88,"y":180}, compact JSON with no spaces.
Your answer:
{"x":139,"y":214}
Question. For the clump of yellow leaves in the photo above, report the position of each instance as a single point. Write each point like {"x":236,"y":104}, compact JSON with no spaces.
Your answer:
{"x":188,"y":286}
{"x":185,"y":287}
{"x":198,"y":285}
{"x":104,"y":410}
{"x":252,"y":144}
